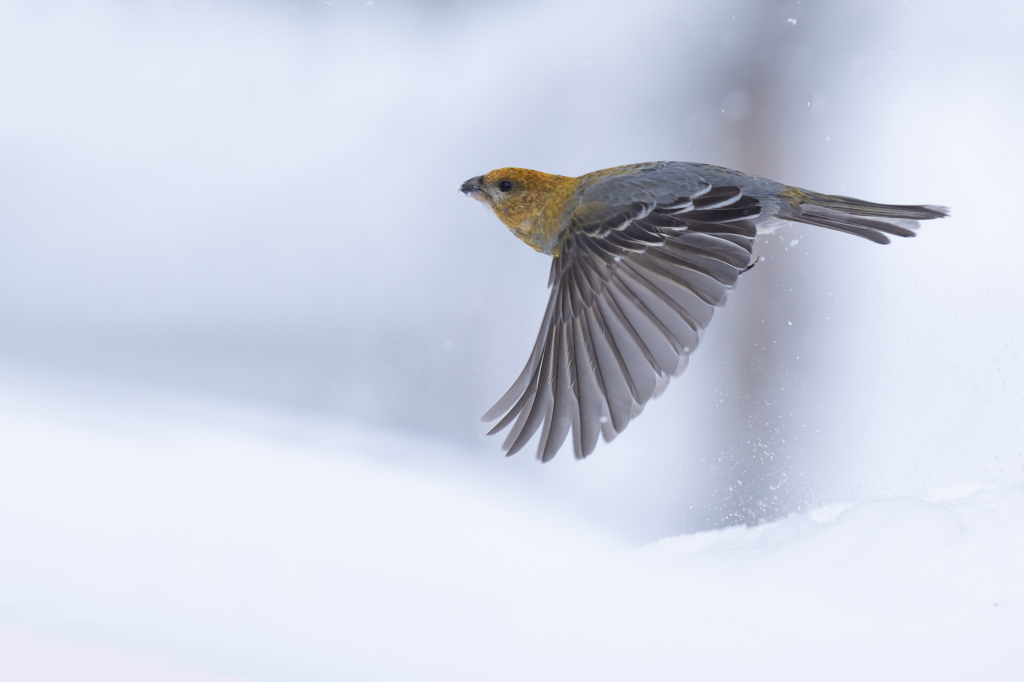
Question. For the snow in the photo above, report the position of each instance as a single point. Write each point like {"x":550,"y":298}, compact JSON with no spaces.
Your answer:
{"x":257,"y":202}
{"x":163,"y":537}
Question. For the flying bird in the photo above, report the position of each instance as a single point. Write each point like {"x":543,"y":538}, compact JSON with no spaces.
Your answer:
{"x":642,"y":256}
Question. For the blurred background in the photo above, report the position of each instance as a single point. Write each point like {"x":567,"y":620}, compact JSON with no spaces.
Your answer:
{"x":255,"y":203}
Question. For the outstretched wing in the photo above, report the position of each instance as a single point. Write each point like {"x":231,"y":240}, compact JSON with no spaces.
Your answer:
{"x":632,"y":290}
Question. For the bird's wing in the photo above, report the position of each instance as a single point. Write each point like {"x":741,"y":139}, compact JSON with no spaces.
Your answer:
{"x":632,"y":290}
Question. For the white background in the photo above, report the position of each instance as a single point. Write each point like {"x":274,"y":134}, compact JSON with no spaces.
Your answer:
{"x":248,"y":324}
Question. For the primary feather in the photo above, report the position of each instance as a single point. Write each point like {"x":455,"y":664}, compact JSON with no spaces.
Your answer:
{"x":643,"y":255}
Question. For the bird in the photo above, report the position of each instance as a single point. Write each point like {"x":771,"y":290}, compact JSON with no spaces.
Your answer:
{"x":642,"y":254}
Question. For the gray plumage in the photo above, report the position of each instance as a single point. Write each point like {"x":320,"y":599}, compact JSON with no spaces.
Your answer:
{"x":648,"y":252}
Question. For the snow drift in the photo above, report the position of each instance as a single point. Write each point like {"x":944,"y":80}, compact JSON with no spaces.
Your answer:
{"x":297,"y":552}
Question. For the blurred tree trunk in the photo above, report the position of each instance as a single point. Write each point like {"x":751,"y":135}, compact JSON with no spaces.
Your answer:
{"x":755,"y":464}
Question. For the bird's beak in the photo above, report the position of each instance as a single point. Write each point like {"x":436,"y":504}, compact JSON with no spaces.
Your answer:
{"x":474,"y":188}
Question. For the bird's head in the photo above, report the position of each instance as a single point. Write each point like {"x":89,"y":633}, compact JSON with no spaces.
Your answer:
{"x":532,"y":204}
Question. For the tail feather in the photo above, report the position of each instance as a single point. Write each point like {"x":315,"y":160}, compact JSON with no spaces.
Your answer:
{"x":862,"y":218}
{"x":867,"y":208}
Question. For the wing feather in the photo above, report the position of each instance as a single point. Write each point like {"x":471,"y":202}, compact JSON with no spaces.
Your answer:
{"x":563,"y":400}
{"x":521,"y":384}
{"x":717,"y":197}
{"x":539,"y":407}
{"x":616,"y":384}
{"x":637,"y":359}
{"x":651,"y":332}
{"x":633,"y":289}
{"x":590,"y":394}
{"x":684,"y":330}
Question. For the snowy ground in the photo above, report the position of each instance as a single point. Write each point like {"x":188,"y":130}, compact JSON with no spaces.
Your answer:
{"x":199,"y":195}
{"x":155,"y":538}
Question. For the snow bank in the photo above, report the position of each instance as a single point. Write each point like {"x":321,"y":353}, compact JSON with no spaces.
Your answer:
{"x":172,"y":546}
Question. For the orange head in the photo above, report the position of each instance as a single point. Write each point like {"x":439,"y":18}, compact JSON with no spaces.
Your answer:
{"x":532,"y":204}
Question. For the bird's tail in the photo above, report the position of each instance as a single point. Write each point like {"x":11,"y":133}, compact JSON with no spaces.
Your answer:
{"x":853,"y":216}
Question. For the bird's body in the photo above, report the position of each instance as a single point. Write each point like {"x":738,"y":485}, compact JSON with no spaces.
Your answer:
{"x":642,"y":256}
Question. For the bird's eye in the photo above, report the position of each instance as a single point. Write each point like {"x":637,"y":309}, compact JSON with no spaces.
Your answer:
{"x":505,"y":186}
